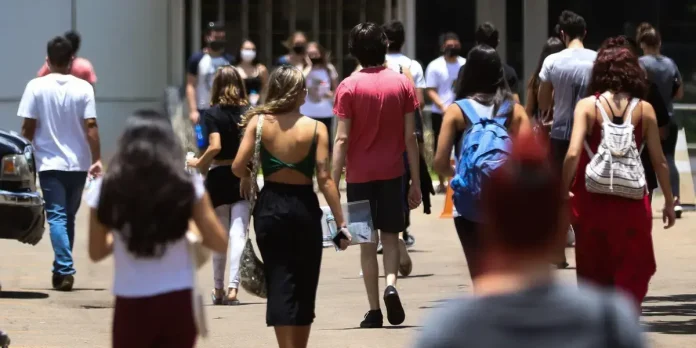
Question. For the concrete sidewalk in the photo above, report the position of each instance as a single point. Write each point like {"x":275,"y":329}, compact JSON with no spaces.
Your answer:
{"x":36,"y":316}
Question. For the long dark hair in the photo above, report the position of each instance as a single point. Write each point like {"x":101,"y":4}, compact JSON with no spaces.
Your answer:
{"x":147,"y":195}
{"x":552,"y":45}
{"x":482,"y":78}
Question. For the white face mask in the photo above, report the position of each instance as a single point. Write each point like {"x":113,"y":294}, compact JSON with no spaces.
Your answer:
{"x":248,"y":55}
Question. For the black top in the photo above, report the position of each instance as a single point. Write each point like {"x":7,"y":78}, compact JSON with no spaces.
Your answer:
{"x":663,"y":119}
{"x":511,"y":77}
{"x":253,"y":84}
{"x":225,"y":120}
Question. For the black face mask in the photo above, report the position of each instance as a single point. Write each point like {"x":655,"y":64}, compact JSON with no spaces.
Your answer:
{"x":217,"y":45}
{"x":299,"y":49}
{"x":316,"y":61}
{"x":452,"y":51}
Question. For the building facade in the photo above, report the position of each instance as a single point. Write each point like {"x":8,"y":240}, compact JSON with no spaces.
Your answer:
{"x":140,"y":47}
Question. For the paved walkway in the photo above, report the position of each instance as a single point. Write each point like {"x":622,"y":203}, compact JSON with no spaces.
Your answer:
{"x":36,"y":316}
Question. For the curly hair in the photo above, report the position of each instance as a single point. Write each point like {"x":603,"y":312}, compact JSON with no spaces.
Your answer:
{"x":285,"y":90}
{"x":228,"y":88}
{"x":617,"y":69}
{"x":147,"y":196}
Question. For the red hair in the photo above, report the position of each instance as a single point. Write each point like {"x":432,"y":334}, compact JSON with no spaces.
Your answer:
{"x":522,"y":201}
{"x":617,"y":69}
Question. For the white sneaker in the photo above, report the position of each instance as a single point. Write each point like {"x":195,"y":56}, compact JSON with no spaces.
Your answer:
{"x":379,"y":248}
{"x":678,"y":211}
{"x":410,"y":241}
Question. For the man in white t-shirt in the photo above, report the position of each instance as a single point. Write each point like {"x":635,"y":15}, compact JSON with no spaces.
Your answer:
{"x":439,"y":81}
{"x":60,"y":119}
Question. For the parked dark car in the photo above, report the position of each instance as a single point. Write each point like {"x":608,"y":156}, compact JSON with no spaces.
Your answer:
{"x":21,"y":206}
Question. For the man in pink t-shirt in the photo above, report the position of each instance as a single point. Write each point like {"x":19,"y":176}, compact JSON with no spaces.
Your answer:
{"x":79,"y":67}
{"x":375,"y":126}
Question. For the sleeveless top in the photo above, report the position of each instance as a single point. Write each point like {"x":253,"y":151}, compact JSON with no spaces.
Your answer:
{"x":590,"y":207}
{"x":271,"y":164}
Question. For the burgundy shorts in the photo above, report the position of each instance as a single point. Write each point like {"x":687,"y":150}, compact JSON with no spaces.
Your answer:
{"x":159,"y":321}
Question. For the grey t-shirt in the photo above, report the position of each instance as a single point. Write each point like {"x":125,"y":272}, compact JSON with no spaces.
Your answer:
{"x":663,"y":72}
{"x":569,"y":72}
{"x":547,"y":316}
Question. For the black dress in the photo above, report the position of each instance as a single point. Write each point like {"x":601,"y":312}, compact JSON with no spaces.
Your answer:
{"x":222,"y":185}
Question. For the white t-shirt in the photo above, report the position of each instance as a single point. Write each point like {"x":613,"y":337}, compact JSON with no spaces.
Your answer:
{"x":569,"y":72}
{"x":144,"y":277}
{"x":60,"y":104}
{"x":395,"y":60}
{"x":319,"y":78}
{"x":441,"y":75}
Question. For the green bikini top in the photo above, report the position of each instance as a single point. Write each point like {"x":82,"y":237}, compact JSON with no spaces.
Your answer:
{"x":270,"y":164}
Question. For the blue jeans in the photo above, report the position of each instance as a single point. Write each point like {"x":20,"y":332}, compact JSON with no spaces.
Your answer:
{"x":62,"y":192}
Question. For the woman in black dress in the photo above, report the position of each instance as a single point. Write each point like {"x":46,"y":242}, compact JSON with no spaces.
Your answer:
{"x":228,"y":103}
{"x":287,"y":217}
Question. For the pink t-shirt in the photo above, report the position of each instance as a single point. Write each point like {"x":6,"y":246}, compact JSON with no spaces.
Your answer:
{"x":80,"y":68}
{"x":375,"y":100}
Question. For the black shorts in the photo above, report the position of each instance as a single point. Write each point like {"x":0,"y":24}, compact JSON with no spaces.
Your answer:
{"x":386,"y":202}
{"x":436,"y":124}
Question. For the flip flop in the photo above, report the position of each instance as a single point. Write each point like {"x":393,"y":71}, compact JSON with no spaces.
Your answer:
{"x":234,"y":302}
{"x":216,"y":300}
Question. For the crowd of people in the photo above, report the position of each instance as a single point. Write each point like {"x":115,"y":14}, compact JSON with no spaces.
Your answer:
{"x":587,"y":149}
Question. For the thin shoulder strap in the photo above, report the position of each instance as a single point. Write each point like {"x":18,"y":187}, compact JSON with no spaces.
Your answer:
{"x":613,"y":113}
{"x":314,"y":137}
{"x":599,"y":106}
{"x":629,"y":110}
{"x":468,"y":110}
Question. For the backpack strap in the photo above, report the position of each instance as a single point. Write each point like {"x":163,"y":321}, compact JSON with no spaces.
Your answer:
{"x":629,"y":110}
{"x":505,"y":109}
{"x":468,"y":110}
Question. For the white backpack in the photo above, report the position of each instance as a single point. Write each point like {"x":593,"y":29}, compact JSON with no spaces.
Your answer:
{"x":616,"y":168}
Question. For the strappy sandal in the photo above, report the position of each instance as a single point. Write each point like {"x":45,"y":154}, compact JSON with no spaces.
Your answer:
{"x":231,"y":302}
{"x":217,"y":301}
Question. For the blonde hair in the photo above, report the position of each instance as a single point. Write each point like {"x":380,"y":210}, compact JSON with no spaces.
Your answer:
{"x":285,"y":89}
{"x":291,"y":40}
{"x":228,"y":88}
{"x":647,"y":34}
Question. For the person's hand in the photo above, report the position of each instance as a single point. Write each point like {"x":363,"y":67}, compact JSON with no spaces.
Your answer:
{"x":193,"y":162}
{"x":245,"y":187}
{"x":96,"y":170}
{"x":414,"y":196}
{"x":194,"y":116}
{"x":345,"y":243}
{"x":668,"y":215}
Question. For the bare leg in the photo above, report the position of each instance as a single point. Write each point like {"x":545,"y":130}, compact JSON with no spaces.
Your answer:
{"x":390,"y":245}
{"x":370,"y":268}
{"x":292,"y":336}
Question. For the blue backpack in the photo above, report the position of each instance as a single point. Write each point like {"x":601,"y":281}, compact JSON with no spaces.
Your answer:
{"x":484,"y":148}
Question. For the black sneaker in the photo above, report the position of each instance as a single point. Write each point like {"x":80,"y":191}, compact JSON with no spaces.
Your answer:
{"x":395,"y":312}
{"x":4,"y":340}
{"x":63,"y":282}
{"x":373,"y":320}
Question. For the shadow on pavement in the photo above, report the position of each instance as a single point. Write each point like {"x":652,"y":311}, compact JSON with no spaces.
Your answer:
{"x":671,"y":306}
{"x":386,"y":326}
{"x":23,"y":295}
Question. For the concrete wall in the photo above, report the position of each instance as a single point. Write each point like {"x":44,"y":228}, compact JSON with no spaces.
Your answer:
{"x":131,"y":44}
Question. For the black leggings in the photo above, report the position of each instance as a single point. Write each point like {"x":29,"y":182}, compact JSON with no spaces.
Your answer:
{"x":468,"y":232}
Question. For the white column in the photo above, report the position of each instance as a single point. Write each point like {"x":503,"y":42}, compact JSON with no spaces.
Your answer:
{"x":195,"y":20}
{"x":494,"y":11}
{"x":410,"y":24}
{"x":535,"y":31}
{"x":177,"y":18}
